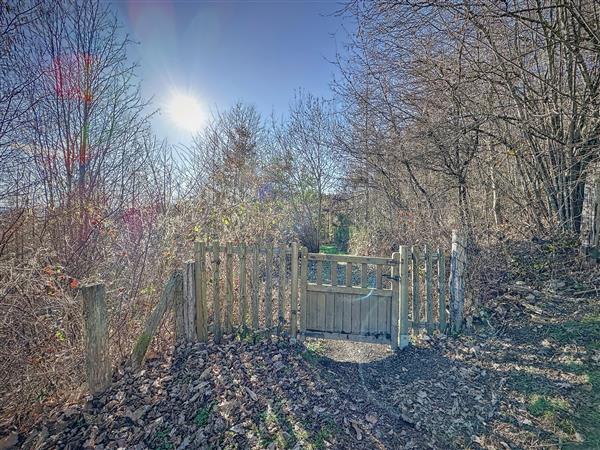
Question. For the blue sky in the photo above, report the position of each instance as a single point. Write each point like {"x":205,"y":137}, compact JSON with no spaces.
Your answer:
{"x":258,"y":52}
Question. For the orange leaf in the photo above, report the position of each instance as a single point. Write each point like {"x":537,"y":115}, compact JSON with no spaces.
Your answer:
{"x":74,"y":283}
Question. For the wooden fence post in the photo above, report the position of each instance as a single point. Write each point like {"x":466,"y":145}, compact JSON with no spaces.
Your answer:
{"x":303,"y":281}
{"x":216,"y":279}
{"x":189,"y":301}
{"x":442,"y":289}
{"x":97,"y":355}
{"x":404,"y":261}
{"x":395,"y":336}
{"x":294,"y":293}
{"x":457,"y":281}
{"x":200,"y":291}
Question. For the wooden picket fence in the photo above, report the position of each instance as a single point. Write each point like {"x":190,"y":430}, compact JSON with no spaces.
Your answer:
{"x":261,"y":289}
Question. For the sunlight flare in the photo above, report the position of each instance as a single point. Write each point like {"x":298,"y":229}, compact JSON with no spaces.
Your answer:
{"x":185,"y":111}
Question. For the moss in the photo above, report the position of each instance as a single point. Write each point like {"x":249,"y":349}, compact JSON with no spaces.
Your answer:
{"x":139,"y":351}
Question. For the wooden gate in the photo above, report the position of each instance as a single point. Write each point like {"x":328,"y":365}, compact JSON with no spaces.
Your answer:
{"x":350,"y":297}
{"x":366,"y":299}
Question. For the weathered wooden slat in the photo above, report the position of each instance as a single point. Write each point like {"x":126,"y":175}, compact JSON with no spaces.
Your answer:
{"x":350,"y":258}
{"x":189,"y":301}
{"x":200,"y":290}
{"x":154,"y":321}
{"x":364,"y":275}
{"x":303,"y":283}
{"x":98,"y":368}
{"x":458,"y":263}
{"x":294,"y":293}
{"x":348,"y":290}
{"x":229,"y":288}
{"x":347,"y":306}
{"x":378,"y":276}
{"x":268,"y":291}
{"x":255,"y":324}
{"x":428,"y":290}
{"x":321,"y":312}
{"x":281,"y":293}
{"x":319,"y":273}
{"x":349,"y":281}
{"x":216,"y":282}
{"x":442,"y":290}
{"x":404,"y":262}
{"x":416,"y":294}
{"x":243,"y":295}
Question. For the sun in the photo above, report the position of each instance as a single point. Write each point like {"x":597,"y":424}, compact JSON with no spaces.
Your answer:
{"x":185,"y":111}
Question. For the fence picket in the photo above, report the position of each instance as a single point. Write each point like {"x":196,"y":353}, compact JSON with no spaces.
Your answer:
{"x":216,"y":261}
{"x":303,"y":277}
{"x":281,"y":294}
{"x":200,"y":290}
{"x":442,"y":289}
{"x":416,"y":300}
{"x":243,"y":300}
{"x":395,"y":331}
{"x":268,"y":291}
{"x":404,"y":261}
{"x":294,"y":292}
{"x":229,"y":288}
{"x":255,"y":288}
{"x":428,"y":290}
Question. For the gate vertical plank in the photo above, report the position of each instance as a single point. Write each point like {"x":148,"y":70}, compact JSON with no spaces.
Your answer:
{"x":294,"y":293}
{"x":216,"y":261}
{"x":338,"y":308}
{"x":347,"y":301}
{"x":243,"y":300}
{"x":268,"y":291}
{"x":428,"y":290}
{"x":380,"y":313}
{"x":281,"y":294}
{"x":200,"y":288}
{"x":442,"y":289}
{"x":229,"y":288}
{"x":416,"y":304}
{"x":319,"y":305}
{"x":404,"y":261}
{"x":255,"y":288}
{"x":330,"y":311}
{"x":394,"y":316}
{"x":97,"y":357}
{"x":303,"y":282}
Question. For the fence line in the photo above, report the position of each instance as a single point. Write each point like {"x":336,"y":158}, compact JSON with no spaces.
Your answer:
{"x":286,"y":271}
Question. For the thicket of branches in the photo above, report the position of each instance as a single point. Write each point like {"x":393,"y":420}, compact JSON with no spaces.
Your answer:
{"x":481,"y":116}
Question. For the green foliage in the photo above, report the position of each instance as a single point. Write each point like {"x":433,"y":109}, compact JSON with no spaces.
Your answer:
{"x":202,"y":415}
{"x":540,"y":405}
{"x":341,"y":237}
{"x":328,"y":249}
{"x":160,"y":440}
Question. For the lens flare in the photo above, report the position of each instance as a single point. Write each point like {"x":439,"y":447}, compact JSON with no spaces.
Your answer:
{"x":185,"y":111}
